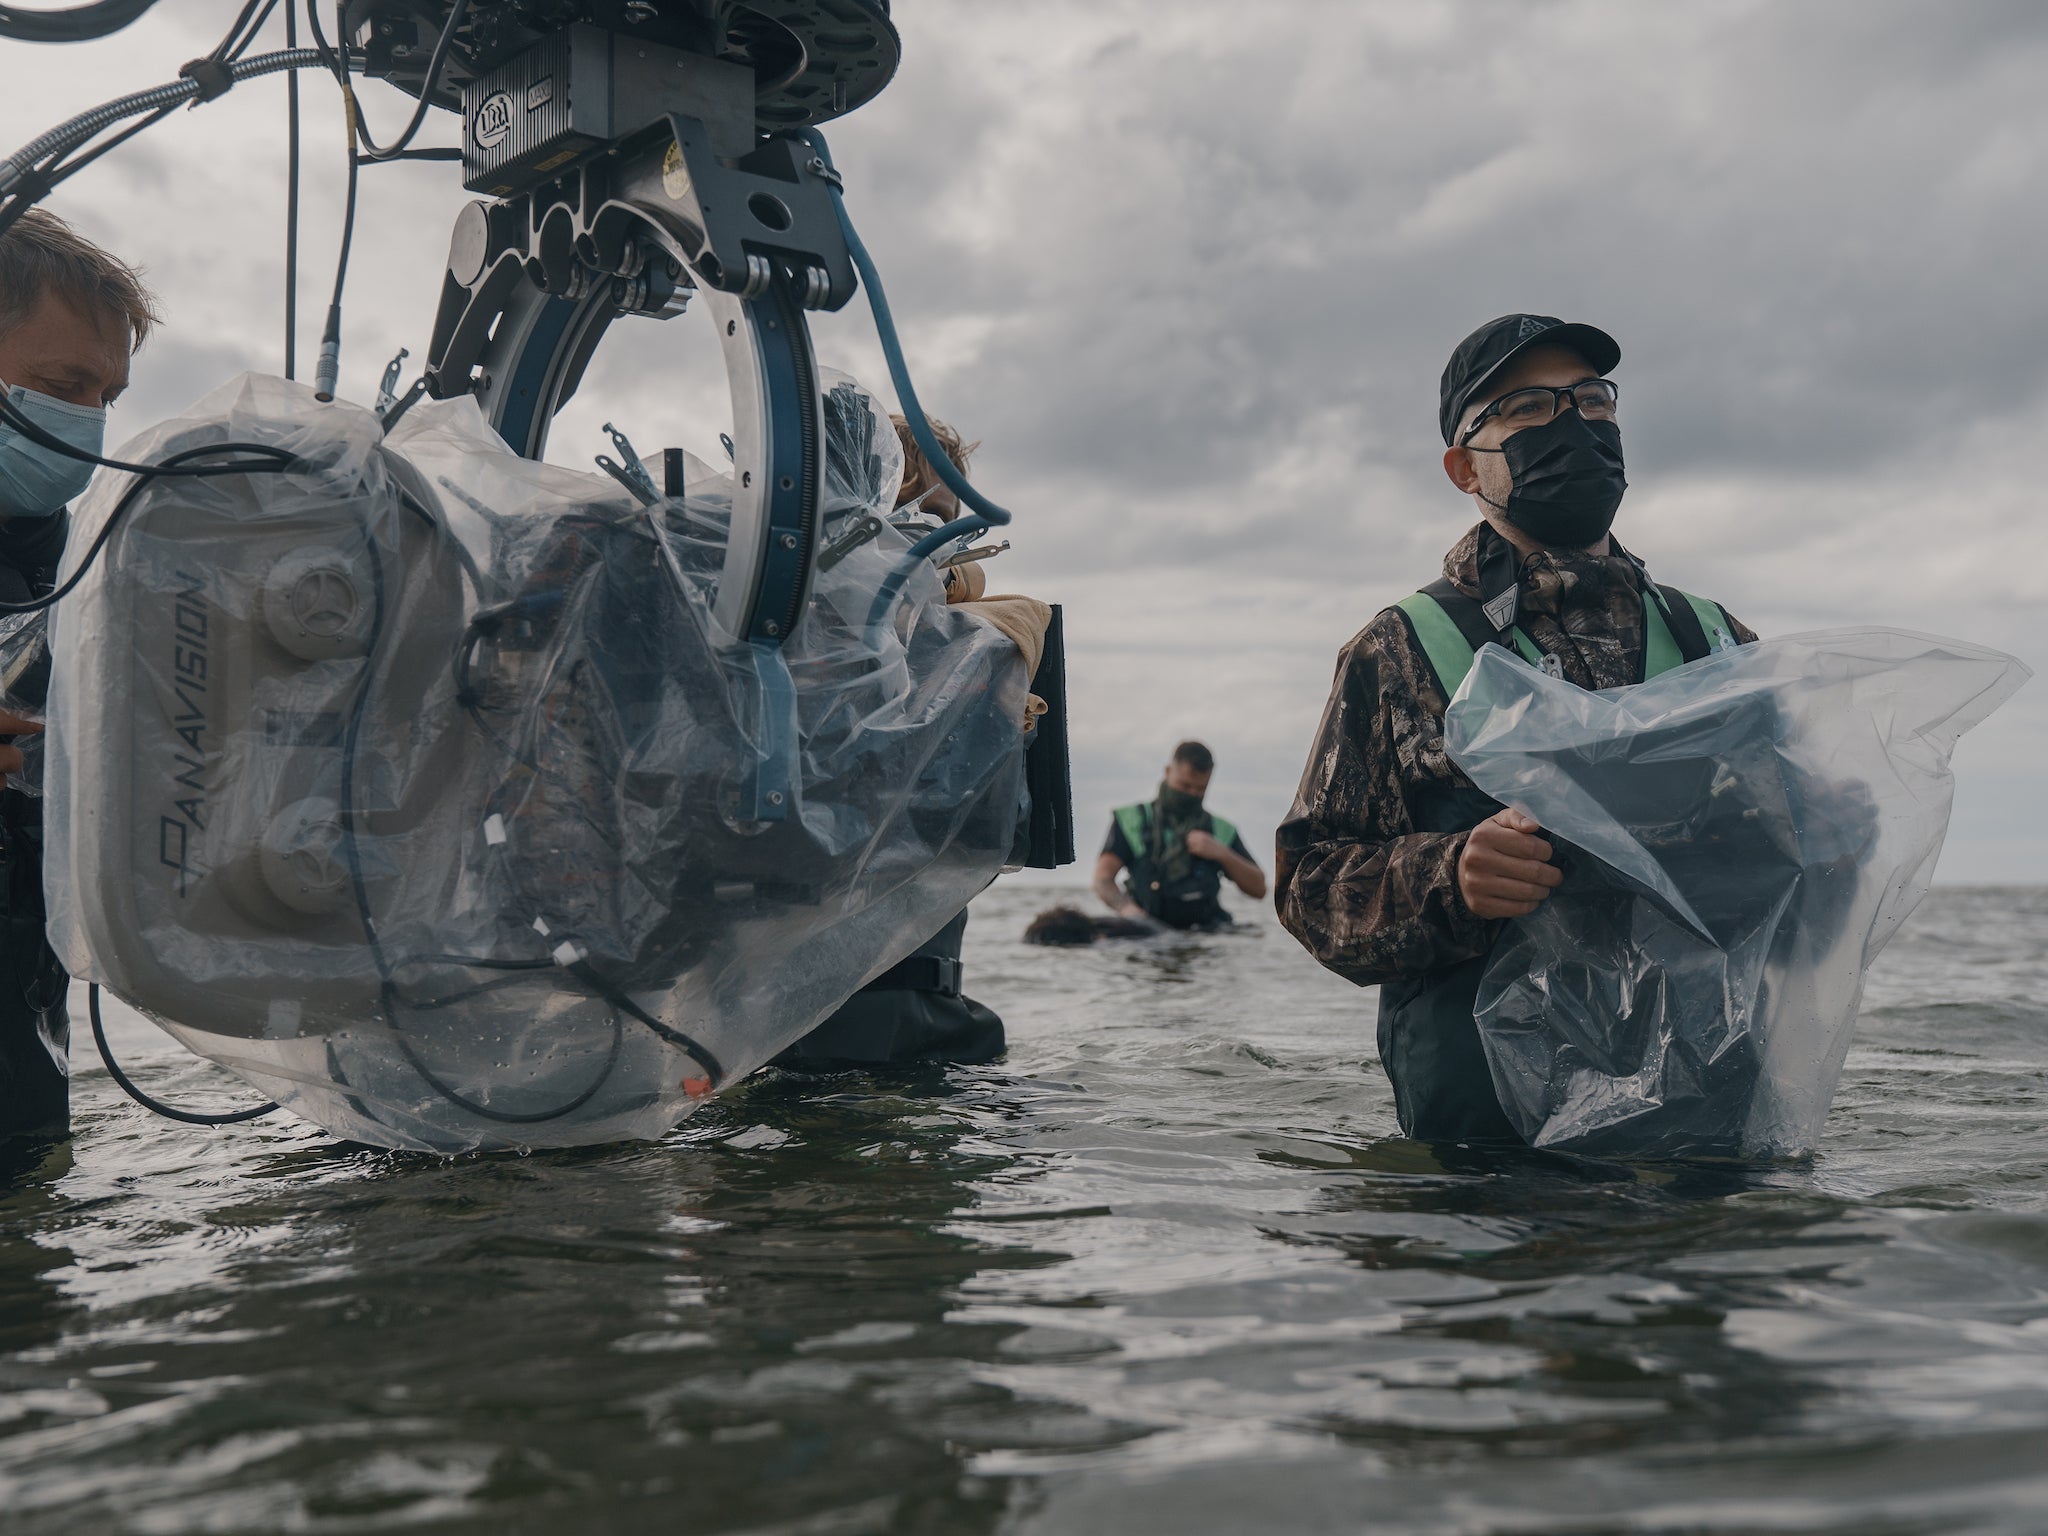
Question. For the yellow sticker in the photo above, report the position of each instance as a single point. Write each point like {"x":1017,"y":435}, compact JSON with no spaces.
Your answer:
{"x":675,"y":181}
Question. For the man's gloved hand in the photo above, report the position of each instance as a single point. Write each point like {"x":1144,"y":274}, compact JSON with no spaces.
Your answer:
{"x":1504,"y":870}
{"x":10,"y":757}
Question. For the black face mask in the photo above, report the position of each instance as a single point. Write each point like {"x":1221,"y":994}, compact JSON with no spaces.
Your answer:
{"x":1567,"y":480}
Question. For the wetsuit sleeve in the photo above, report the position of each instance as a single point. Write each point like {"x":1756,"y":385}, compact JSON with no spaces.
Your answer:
{"x":1366,"y":893}
{"x":1237,"y":847}
{"x":30,"y":548}
{"x":1118,"y":844}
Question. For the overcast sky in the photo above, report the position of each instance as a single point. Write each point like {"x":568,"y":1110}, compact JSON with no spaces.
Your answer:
{"x":1191,"y":270}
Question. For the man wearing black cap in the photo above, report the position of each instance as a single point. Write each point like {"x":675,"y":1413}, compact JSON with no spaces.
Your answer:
{"x":1394,"y":870}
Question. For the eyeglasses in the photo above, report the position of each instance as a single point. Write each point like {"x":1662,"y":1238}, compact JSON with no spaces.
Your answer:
{"x":1540,"y":405}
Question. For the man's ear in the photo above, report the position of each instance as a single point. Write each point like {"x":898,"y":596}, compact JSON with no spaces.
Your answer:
{"x":1463,"y":473}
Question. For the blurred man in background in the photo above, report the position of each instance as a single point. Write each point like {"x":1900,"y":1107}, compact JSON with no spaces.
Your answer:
{"x":1175,"y":852}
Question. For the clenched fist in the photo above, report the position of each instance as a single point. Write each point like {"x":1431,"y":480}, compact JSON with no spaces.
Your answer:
{"x":1505,"y":869}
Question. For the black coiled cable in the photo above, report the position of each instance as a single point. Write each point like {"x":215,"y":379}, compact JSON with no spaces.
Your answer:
{"x":74,"y":24}
{"x":158,"y":1106}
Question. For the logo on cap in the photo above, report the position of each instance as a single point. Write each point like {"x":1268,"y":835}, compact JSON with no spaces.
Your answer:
{"x":1531,"y":326}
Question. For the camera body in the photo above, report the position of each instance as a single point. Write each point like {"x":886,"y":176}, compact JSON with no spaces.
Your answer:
{"x":416,"y":781}
{"x":267,"y":757}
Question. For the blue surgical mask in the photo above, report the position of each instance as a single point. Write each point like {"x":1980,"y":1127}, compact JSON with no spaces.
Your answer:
{"x":36,"y":481}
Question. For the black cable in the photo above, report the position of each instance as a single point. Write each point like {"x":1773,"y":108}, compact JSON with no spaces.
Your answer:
{"x":320,"y":44}
{"x":479,"y":962}
{"x":64,"y":167}
{"x":504,"y":1116}
{"x":244,"y":31}
{"x":229,"y":48}
{"x":221,"y":49}
{"x":75,"y":24}
{"x":29,"y":190}
{"x":387,"y":986}
{"x":348,"y":216}
{"x":470,"y":697}
{"x":713,"y":1069}
{"x":29,"y":428}
{"x":449,"y":153}
{"x":291,"y":201}
{"x":326,"y":374}
{"x":275,"y":461}
{"x":127,"y":1084}
{"x":278,"y":461}
{"x":436,"y":62}
{"x":29,"y":182}
{"x":450,"y":999}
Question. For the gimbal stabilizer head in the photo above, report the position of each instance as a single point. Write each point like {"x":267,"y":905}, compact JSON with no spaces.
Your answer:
{"x":631,"y":153}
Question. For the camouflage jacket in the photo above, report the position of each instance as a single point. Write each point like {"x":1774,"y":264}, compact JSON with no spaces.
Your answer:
{"x":1365,"y":892}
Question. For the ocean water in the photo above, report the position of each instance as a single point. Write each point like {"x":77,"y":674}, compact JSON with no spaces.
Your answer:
{"x":1168,"y":1267}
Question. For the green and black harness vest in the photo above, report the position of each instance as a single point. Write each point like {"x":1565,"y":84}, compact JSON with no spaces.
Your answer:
{"x":1428,"y":1042}
{"x":1192,"y":902}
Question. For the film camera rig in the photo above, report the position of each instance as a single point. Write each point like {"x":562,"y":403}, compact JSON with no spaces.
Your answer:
{"x":629,"y":155}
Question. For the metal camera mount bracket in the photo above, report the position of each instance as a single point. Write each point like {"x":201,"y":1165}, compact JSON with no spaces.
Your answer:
{"x":637,"y":152}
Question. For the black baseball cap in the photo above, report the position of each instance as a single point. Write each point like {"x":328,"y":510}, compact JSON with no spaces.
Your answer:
{"x":1499,"y":342}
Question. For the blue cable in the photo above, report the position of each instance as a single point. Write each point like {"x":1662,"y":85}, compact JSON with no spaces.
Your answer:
{"x":988,"y":514}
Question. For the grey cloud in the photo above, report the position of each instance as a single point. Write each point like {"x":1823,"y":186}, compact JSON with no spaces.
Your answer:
{"x":1211,"y":259}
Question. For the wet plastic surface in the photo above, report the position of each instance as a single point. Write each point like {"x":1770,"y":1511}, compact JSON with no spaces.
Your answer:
{"x":24,"y":689}
{"x":1739,"y":838}
{"x":417,"y":787}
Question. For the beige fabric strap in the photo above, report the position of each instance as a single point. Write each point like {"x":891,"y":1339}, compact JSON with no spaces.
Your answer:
{"x":1024,"y":619}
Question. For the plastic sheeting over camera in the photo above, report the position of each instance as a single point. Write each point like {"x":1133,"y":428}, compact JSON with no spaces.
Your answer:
{"x":416,"y":785}
{"x":1739,"y":839}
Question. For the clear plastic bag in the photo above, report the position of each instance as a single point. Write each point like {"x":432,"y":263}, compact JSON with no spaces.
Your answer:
{"x":415,"y":784}
{"x":24,"y":689}
{"x":1740,"y":838}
